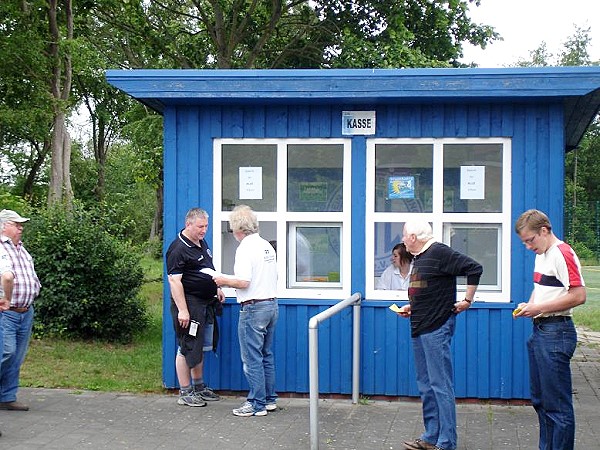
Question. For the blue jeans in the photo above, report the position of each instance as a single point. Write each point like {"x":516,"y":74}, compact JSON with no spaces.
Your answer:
{"x":550,"y":348}
{"x":16,"y":328}
{"x":256,"y":330}
{"x":435,"y":380}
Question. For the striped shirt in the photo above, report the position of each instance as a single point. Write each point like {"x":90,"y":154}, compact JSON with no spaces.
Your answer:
{"x":15,"y":259}
{"x":556,"y":270}
{"x":432,"y":290}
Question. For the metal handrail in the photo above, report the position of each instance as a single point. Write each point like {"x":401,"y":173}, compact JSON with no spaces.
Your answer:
{"x":313,"y":359}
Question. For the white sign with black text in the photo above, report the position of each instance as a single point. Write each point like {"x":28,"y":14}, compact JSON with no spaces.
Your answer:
{"x":358,"y":123}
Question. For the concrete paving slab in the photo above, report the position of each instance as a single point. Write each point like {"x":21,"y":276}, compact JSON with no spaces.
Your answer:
{"x":72,"y":419}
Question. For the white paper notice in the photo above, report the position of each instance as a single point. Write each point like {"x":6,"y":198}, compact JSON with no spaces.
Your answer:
{"x":251,"y":183}
{"x":472,"y":182}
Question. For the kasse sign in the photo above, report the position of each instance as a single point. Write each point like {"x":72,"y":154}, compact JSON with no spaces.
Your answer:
{"x":358,"y":122}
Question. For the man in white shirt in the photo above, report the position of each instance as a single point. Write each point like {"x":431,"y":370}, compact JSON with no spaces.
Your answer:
{"x":255,"y":281}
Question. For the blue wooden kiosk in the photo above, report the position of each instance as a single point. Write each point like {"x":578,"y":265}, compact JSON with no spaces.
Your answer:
{"x":334,"y":162}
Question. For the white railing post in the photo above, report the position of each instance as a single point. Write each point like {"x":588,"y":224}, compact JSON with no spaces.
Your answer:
{"x":313,"y":359}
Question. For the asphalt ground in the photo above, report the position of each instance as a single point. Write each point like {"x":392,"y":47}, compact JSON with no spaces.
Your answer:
{"x":73,"y":419}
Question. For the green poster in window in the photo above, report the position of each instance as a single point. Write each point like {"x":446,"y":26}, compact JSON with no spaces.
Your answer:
{"x":313,"y":191}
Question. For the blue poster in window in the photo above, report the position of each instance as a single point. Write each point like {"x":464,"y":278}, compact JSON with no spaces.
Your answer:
{"x":401,"y":187}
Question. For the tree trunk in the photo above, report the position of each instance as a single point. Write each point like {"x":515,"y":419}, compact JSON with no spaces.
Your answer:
{"x":100,"y":154}
{"x":55,"y":190}
{"x":38,"y":160}
{"x":156,"y":230}
{"x":60,"y":190}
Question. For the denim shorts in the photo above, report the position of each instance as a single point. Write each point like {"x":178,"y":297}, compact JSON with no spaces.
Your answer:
{"x":208,"y":337}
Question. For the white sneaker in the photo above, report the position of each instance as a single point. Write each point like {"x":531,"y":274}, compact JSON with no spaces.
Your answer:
{"x":247,"y":410}
{"x":271,"y":406}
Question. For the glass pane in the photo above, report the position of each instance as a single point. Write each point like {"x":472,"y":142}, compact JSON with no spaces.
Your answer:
{"x":249,"y":176}
{"x":315,"y":175}
{"x":403,"y":177}
{"x":387,"y":234}
{"x":473,"y":178}
{"x":268,"y":230}
{"x":317,"y":254}
{"x":480,"y":242}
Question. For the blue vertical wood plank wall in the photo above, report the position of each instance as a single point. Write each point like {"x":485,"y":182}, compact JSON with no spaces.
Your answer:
{"x":489,"y":348}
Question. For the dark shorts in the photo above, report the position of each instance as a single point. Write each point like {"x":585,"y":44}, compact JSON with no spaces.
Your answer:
{"x":191,"y":347}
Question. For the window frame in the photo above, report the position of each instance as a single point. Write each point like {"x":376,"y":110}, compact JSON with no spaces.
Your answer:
{"x":437,"y":217}
{"x":282,"y":217}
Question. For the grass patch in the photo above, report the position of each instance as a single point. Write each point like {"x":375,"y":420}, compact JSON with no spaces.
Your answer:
{"x":135,"y":367}
{"x":588,"y":314}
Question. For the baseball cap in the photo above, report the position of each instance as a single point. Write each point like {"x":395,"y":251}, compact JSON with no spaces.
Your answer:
{"x":8,"y":215}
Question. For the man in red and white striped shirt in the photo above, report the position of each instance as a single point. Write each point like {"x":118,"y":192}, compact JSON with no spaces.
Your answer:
{"x":20,"y":287}
{"x":558,"y":287}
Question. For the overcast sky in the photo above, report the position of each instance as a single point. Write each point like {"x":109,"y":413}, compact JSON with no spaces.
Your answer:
{"x":524,"y":24}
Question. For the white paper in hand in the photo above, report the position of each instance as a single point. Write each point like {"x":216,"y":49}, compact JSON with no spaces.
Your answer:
{"x":210,"y":272}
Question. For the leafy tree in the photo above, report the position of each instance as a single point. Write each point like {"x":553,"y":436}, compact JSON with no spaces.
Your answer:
{"x":292,"y":34}
{"x":25,"y":101}
{"x":60,"y":23}
{"x":582,"y":191}
{"x":145,"y":130}
{"x":72,"y":43}
{"x":574,"y":53}
{"x":388,"y":34}
{"x":106,"y":108}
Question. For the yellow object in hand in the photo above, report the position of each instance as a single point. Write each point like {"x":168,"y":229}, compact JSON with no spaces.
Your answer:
{"x":395,"y":308}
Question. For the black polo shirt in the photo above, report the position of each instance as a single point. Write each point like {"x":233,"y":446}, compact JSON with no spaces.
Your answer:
{"x":186,"y":258}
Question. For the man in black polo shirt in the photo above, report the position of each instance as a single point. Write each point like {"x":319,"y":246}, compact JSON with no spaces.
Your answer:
{"x":195,"y":299}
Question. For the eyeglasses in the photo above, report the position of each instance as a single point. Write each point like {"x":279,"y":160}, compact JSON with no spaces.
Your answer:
{"x":530,"y":240}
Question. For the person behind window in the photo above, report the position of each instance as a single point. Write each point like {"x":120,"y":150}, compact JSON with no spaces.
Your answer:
{"x":304,"y":270}
{"x":397,"y":275}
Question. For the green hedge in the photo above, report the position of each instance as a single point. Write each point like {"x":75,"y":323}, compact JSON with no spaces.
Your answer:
{"x":90,"y":280}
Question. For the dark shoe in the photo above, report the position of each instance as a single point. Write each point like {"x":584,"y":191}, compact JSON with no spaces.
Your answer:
{"x":419,"y":444}
{"x":189,"y":399}
{"x":205,"y":393}
{"x":14,"y":406}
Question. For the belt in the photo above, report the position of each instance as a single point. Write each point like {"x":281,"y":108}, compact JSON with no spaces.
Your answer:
{"x":552,"y":319}
{"x":258,"y":300}
{"x":19,"y":309}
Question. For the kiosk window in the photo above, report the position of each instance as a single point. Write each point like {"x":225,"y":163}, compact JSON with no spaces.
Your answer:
{"x":460,"y":186}
{"x":300,"y":191}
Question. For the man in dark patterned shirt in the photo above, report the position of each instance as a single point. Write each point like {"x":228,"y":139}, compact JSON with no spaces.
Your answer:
{"x":432,"y":310}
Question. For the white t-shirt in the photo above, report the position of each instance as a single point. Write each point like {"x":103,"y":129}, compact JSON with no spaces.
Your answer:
{"x":255,"y":262}
{"x":391,"y":279}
